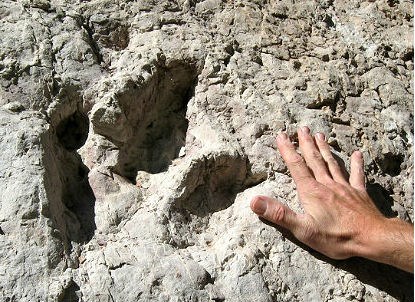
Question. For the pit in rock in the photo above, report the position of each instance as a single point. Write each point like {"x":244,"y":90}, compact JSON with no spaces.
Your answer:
{"x":159,"y":120}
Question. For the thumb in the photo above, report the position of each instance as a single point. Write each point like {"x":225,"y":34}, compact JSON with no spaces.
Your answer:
{"x":275,"y":212}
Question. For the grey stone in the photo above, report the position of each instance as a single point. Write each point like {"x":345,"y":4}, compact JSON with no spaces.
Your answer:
{"x":133,"y":135}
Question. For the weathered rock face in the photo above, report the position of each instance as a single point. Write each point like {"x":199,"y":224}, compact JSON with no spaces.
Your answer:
{"x":134,"y":133}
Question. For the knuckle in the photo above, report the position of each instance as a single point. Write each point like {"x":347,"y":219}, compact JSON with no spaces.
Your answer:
{"x":278,"y":213}
{"x":333,"y":163}
{"x":331,"y":197}
{"x":340,"y":190}
{"x":311,"y":188}
{"x":296,"y":160}
{"x":315,"y":154}
{"x":328,"y":181}
{"x":315,"y":189}
{"x":305,"y":180}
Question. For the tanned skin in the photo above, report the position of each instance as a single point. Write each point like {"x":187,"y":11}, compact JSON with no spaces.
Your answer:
{"x":340,"y":219}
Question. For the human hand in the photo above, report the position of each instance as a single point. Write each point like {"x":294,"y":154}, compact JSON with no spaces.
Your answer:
{"x":340,"y":219}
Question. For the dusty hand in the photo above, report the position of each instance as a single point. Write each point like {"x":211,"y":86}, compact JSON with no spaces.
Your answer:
{"x":340,"y":218}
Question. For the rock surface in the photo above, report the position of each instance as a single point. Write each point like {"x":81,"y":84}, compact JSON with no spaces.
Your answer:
{"x":134,"y":133}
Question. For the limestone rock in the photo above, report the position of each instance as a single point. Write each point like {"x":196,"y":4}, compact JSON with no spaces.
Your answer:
{"x":134,"y":134}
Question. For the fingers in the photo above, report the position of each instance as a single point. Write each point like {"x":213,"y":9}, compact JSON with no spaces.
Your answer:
{"x":313,"y":157}
{"x":334,"y":167}
{"x":294,"y":161}
{"x":357,"y":175}
{"x":274,"y":211}
{"x":320,"y":160}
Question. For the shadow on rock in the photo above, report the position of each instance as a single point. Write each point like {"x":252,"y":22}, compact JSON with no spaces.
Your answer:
{"x":381,"y":199}
{"x":211,"y":184}
{"x":391,"y":280}
{"x":71,"y":201}
{"x":79,"y":199}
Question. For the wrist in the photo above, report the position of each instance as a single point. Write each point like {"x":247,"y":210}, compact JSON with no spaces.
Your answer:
{"x":368,"y":241}
{"x":389,"y":241}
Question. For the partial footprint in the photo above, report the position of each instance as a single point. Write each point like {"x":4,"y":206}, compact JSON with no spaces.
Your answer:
{"x":72,"y":200}
{"x":148,"y":123}
{"x":210,"y":185}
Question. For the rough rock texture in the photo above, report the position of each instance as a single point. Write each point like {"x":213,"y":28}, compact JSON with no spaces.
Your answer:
{"x":134,"y":133}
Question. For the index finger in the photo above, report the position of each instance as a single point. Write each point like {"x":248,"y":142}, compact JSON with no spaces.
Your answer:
{"x":294,"y":161}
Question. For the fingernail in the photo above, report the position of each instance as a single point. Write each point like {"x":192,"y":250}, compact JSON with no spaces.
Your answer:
{"x":305,"y":130}
{"x":259,"y":206}
{"x":321,"y":136}
{"x":282,"y":136}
